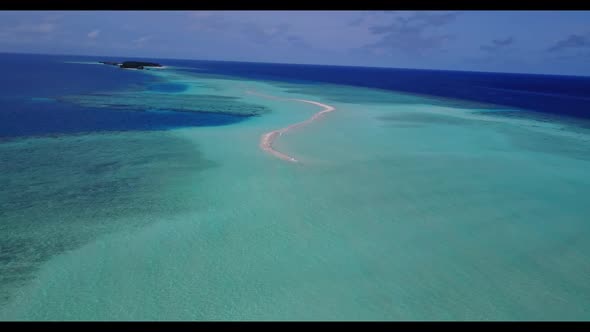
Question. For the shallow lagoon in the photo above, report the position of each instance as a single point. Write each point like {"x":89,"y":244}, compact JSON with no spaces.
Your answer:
{"x":406,"y":208}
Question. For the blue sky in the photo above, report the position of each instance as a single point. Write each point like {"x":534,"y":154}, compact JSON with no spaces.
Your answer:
{"x":551,"y":42}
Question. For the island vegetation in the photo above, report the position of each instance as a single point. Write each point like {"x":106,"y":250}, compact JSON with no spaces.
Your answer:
{"x":131,"y":64}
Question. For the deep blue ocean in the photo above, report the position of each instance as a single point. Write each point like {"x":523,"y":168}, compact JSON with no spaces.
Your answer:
{"x":560,"y":95}
{"x":30,"y":85}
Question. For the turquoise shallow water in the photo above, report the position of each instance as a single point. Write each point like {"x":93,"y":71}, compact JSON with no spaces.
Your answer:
{"x":402,"y":208}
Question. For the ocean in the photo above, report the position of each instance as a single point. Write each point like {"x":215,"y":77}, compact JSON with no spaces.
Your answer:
{"x":424,"y":195}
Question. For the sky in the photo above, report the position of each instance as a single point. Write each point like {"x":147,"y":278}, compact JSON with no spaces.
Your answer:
{"x":543,"y":42}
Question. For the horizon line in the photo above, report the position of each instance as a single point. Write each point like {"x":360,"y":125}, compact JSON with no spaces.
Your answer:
{"x":302,"y":64}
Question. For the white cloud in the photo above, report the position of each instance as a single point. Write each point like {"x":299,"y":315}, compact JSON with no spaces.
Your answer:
{"x":142,"y":39}
{"x":93,"y":34}
{"x":35,"y":27}
{"x":27,"y":32}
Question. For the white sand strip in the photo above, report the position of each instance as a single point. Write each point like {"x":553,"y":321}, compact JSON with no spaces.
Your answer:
{"x":268,"y":138}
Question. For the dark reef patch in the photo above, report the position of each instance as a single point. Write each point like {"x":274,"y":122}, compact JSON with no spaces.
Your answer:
{"x":145,"y":101}
{"x":57,"y":194}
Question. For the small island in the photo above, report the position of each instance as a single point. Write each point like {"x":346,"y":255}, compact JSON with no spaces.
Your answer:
{"x":132,"y":64}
